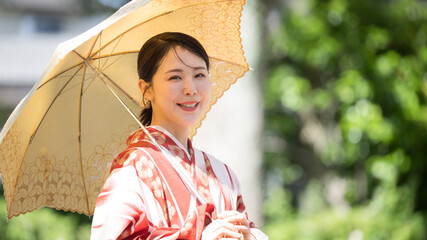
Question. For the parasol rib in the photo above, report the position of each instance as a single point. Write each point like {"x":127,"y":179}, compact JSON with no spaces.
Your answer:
{"x":90,"y":80}
{"x":80,"y":138}
{"x":121,"y":55}
{"x":111,"y":54}
{"x":121,"y":35}
{"x":99,"y":47}
{"x":94,"y":43}
{"x":51,"y":104}
{"x":78,"y":54}
{"x":66,"y":70}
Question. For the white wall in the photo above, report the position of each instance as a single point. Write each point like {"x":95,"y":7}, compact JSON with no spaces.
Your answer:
{"x":232,"y":129}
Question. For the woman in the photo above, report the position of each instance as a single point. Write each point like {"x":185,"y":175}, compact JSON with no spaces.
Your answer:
{"x":144,"y":196}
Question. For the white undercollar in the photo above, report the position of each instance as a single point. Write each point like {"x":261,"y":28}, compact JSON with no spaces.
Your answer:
{"x":161,"y":129}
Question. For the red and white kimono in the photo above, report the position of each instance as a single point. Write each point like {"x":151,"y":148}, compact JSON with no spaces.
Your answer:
{"x":144,"y":198}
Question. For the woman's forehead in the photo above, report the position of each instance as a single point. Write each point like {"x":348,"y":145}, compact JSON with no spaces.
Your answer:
{"x":179,"y":57}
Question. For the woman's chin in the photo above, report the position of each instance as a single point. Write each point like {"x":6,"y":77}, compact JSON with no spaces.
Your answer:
{"x":189,"y":122}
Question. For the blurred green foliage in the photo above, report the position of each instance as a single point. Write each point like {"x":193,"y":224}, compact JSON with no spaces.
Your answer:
{"x":346,"y":119}
{"x":44,"y":223}
{"x":4,"y":114}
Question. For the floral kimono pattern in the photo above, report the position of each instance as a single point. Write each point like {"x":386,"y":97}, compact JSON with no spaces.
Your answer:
{"x":144,"y":198}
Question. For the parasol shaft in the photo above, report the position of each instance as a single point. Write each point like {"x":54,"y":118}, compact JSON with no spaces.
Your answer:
{"x":178,"y":168}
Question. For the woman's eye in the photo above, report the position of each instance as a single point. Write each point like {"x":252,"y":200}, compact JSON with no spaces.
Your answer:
{"x":175,"y":78}
{"x":200,"y":75}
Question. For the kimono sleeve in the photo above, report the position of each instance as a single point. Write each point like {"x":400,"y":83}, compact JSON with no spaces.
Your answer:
{"x":240,"y":206}
{"x":119,"y":205}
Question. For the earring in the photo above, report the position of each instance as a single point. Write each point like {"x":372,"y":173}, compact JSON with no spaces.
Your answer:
{"x":143,"y":103}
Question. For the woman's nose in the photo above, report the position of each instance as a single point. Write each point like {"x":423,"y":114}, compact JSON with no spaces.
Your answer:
{"x":190,"y":87}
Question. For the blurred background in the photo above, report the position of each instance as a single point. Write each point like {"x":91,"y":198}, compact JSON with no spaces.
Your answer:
{"x":339,"y":124}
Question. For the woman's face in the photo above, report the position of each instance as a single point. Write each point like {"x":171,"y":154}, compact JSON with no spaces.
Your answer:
{"x":180,"y":90}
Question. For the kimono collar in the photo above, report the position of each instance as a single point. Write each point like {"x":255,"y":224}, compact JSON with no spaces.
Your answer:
{"x":159,"y":134}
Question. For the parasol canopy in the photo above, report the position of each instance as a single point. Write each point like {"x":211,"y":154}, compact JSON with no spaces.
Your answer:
{"x":57,"y":146}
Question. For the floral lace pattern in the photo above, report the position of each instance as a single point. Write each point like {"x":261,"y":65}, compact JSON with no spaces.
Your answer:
{"x":57,"y":183}
{"x":12,"y":149}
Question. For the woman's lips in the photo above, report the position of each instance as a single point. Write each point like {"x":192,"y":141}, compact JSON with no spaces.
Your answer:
{"x":188,"y":106}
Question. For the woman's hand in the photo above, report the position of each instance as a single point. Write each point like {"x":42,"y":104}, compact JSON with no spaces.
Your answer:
{"x":228,"y":225}
{"x":239,"y":221}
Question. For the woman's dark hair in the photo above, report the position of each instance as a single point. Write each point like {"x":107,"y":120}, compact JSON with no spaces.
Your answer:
{"x":152,"y":53}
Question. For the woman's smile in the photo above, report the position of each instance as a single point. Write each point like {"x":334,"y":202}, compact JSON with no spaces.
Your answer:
{"x":188,"y":106}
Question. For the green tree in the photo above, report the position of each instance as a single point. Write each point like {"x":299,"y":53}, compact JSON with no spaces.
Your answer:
{"x":346,"y":119}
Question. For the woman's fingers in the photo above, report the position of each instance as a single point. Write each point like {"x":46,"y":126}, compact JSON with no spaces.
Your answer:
{"x":223,"y":232}
{"x":242,"y":228}
{"x":220,"y":229}
{"x":234,"y":217}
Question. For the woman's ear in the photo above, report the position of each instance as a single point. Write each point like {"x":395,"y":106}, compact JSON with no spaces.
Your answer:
{"x":145,"y":89}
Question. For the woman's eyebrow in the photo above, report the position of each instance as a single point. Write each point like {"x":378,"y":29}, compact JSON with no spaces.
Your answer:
{"x":181,"y":70}
{"x":199,"y":68}
{"x":175,"y":70}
